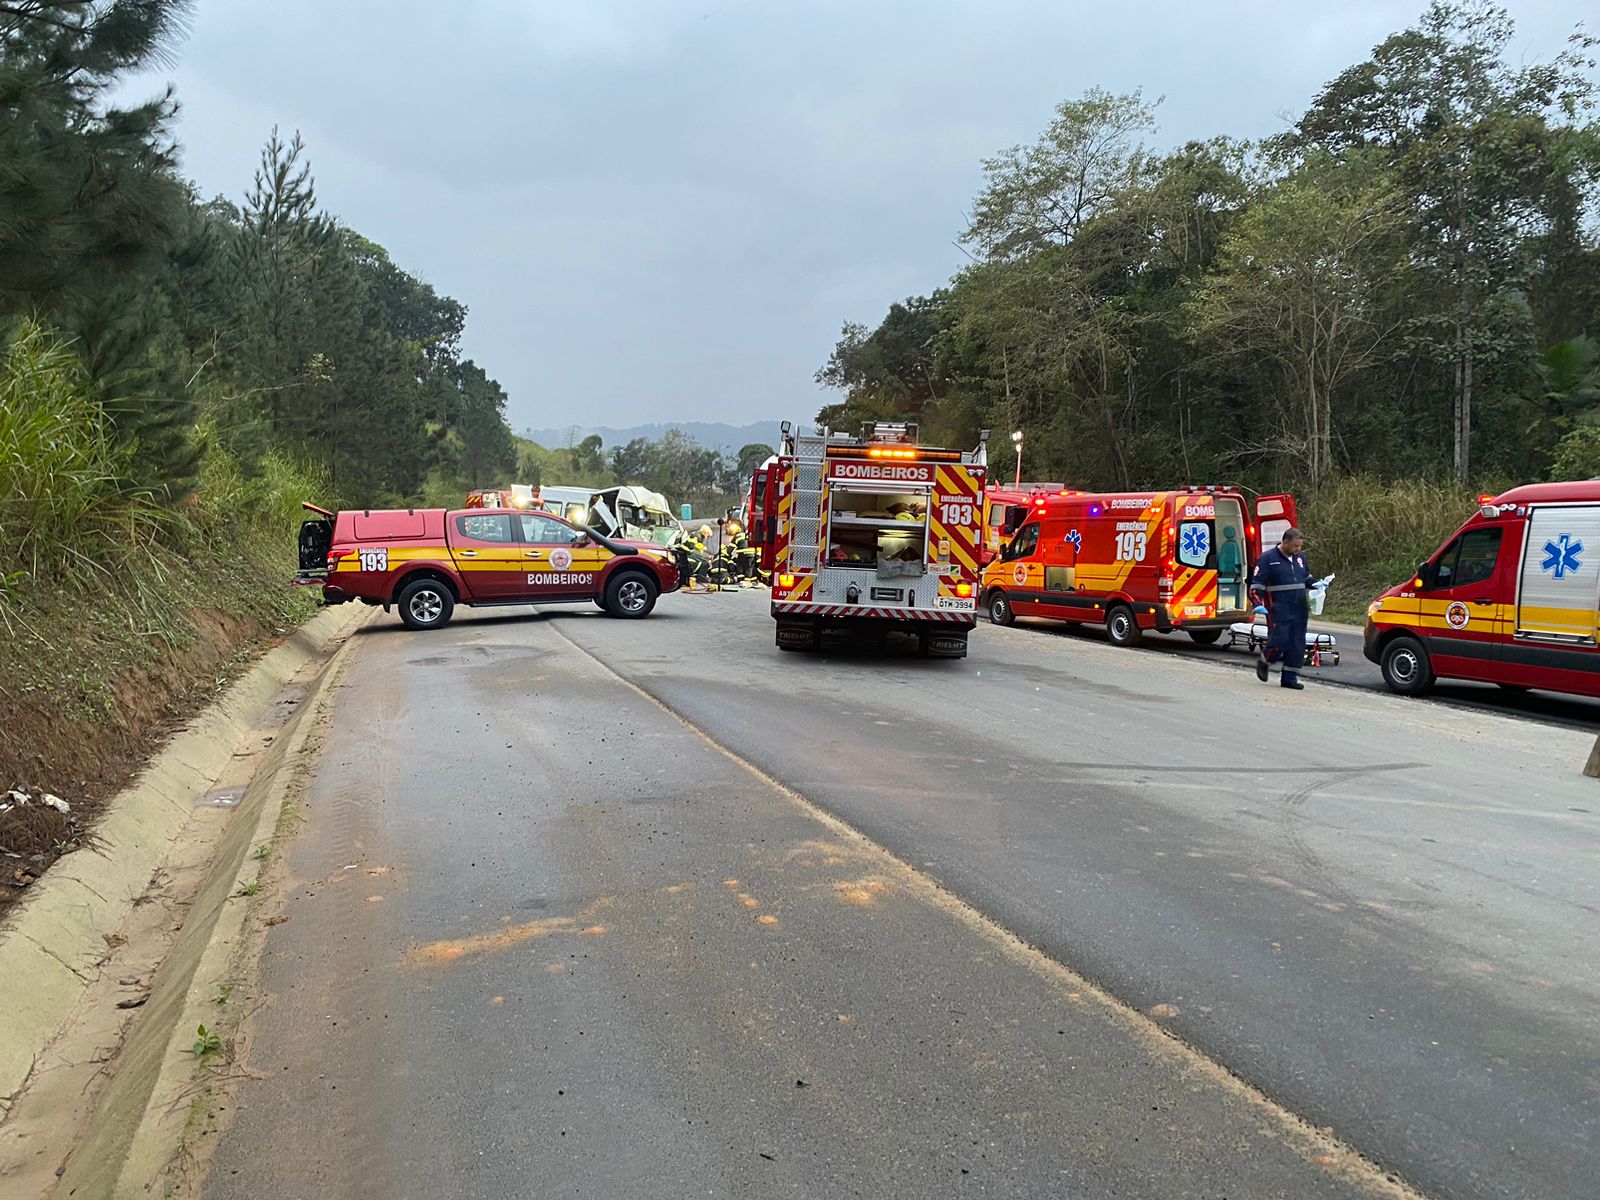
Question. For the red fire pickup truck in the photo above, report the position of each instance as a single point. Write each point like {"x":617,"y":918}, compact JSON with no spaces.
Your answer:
{"x":425,"y":561}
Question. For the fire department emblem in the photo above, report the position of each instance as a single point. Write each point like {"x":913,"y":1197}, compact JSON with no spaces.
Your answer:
{"x":561,"y":558}
{"x":1019,"y":574}
{"x":1457,"y":616}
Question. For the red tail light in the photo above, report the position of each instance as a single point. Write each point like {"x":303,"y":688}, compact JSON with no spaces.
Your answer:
{"x":1164,"y":588}
{"x":335,"y":555}
{"x":963,"y":589}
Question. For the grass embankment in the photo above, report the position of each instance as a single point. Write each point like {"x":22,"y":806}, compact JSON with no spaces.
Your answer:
{"x":119,"y":614}
{"x":1373,"y":535}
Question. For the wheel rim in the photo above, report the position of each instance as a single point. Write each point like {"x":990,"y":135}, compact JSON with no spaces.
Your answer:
{"x":633,"y":596}
{"x":426,"y":606}
{"x":998,"y":609}
{"x":1119,"y":626}
{"x":1403,"y":666}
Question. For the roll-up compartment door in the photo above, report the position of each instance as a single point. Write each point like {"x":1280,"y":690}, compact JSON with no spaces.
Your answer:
{"x":1560,"y":584}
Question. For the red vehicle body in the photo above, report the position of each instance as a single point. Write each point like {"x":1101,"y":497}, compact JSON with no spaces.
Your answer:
{"x":761,"y":512}
{"x":1005,"y":508}
{"x":1512,"y":598}
{"x":1161,"y":560}
{"x":428,"y":560}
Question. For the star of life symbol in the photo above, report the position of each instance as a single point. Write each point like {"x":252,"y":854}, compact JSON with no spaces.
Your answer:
{"x":1075,"y":538}
{"x":1561,"y":556}
{"x":1196,"y":541}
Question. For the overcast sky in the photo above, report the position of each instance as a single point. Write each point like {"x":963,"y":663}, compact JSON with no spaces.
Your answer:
{"x":664,"y":211}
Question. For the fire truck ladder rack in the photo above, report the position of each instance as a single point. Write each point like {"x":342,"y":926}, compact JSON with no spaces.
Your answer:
{"x":809,"y":450}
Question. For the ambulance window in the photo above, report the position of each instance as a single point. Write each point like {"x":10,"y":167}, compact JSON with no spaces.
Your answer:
{"x":1024,"y":544}
{"x":1194,"y":543}
{"x":493,"y":527}
{"x":545,"y":531}
{"x":1469,"y":559}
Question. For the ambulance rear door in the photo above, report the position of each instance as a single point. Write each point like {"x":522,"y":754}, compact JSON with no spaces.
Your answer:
{"x":1274,"y":514}
{"x":1560,"y":579}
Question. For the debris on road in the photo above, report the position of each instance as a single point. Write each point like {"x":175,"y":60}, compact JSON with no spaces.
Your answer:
{"x":36,"y":828}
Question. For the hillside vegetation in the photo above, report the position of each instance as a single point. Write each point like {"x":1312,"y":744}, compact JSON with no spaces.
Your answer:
{"x":1391,"y":304}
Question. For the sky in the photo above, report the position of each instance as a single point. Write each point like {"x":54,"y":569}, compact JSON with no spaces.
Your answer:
{"x":665,"y":211}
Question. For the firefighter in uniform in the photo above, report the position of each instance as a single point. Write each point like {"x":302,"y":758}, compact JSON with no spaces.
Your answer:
{"x":696,"y":557}
{"x":1283,"y":583}
{"x":737,"y":542}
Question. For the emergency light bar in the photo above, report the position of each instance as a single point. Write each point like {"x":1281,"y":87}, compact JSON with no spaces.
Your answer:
{"x":894,"y":452}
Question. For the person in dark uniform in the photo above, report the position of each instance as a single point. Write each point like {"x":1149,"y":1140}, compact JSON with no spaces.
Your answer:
{"x":1283,"y":583}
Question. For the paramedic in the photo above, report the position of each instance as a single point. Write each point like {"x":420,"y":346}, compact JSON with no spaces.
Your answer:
{"x":1283,"y":582}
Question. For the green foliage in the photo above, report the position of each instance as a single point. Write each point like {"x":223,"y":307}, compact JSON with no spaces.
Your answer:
{"x":1369,"y":293}
{"x":1577,"y":455}
{"x":1373,"y":533}
{"x":205,"y":1042}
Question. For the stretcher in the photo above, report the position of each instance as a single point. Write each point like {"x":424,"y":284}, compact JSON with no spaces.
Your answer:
{"x":1321,"y":648}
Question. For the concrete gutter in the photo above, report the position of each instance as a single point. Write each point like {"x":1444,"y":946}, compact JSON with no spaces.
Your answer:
{"x":54,"y":941}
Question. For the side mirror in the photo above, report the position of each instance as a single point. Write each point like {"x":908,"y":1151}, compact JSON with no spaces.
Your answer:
{"x":581,"y":540}
{"x":1427,"y":573}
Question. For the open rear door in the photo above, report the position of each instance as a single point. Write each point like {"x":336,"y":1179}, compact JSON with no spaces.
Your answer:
{"x":1274,"y":514}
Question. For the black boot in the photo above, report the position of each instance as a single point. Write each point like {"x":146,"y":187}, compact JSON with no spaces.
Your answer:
{"x":1261,"y":668}
{"x":1291,"y":680}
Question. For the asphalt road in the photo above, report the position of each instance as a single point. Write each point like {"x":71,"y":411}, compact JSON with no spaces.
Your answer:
{"x":1353,"y":670}
{"x":547,"y":939}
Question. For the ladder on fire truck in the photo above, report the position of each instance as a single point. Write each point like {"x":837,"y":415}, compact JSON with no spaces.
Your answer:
{"x":810,"y":450}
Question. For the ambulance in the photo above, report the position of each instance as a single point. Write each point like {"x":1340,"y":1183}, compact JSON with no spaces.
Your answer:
{"x":1513,"y":598}
{"x":876,"y":534}
{"x":1005,"y":508}
{"x":1131,"y":561}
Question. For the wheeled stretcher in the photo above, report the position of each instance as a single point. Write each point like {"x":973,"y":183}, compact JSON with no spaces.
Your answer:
{"x":1321,"y":648}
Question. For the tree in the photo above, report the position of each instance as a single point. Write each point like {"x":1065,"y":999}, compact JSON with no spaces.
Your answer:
{"x":749,"y":458}
{"x":1470,"y":136}
{"x":87,"y":192}
{"x":1301,"y":281}
{"x":1043,"y":195}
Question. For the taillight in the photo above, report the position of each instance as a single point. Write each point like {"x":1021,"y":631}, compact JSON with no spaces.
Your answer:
{"x":1164,"y":588}
{"x":335,"y":555}
{"x":963,"y":589}
{"x":786,"y":581}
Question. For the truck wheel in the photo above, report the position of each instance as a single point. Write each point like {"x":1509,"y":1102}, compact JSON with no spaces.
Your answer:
{"x":1122,"y":628}
{"x":798,"y":635}
{"x":1205,"y":637}
{"x":944,"y":644}
{"x":425,"y":604}
{"x":1000,"y":608}
{"x":630,"y":594}
{"x":1406,"y":668}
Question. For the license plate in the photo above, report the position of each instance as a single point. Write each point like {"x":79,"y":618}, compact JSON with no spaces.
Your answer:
{"x":958,"y":603}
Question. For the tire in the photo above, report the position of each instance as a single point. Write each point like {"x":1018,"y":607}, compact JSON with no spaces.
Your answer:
{"x":631,"y":595}
{"x":799,"y":636}
{"x":425,"y":604}
{"x":999,"y":608}
{"x":1122,"y":627}
{"x":1406,"y":668}
{"x":1205,"y":637}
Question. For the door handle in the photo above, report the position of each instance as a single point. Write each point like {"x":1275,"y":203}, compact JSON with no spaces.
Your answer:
{"x":533,"y":553}
{"x":467,"y":553}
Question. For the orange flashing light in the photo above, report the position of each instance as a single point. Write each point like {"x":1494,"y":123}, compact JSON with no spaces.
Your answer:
{"x":886,"y":452}
{"x":1485,"y":499}
{"x":786,"y":581}
{"x":963,"y":589}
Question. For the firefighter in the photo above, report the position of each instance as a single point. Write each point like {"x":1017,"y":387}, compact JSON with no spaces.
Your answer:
{"x":1282,"y":582}
{"x":695,"y":558}
{"x":744,"y":554}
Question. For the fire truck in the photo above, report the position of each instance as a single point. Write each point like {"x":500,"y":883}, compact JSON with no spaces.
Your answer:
{"x":1005,"y":508}
{"x":876,"y":534}
{"x":1162,"y":560}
